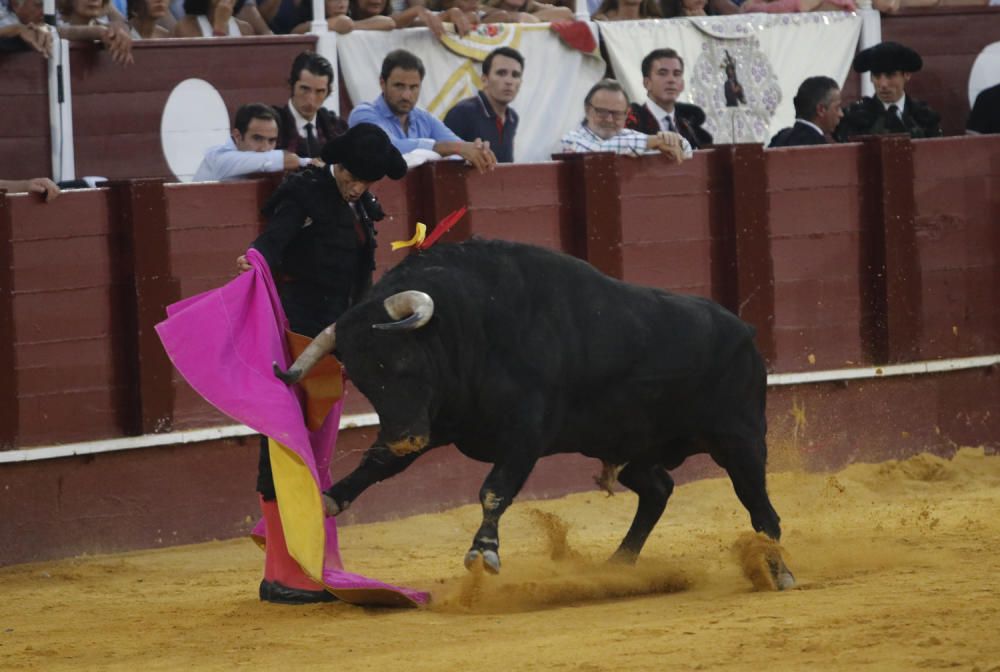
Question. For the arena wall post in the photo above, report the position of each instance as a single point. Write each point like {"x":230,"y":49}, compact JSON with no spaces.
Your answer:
{"x":9,"y":410}
{"x":146,"y":288}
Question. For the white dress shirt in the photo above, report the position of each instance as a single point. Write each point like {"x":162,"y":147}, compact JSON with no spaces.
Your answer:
{"x":661,"y":116}
{"x":225,"y":162}
{"x":300,"y":122}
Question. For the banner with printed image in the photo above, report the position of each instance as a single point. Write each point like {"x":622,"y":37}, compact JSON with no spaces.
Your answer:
{"x":743,"y":70}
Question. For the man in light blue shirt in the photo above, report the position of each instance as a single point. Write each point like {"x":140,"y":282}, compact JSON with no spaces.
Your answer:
{"x":409,"y":127}
{"x":251,"y":149}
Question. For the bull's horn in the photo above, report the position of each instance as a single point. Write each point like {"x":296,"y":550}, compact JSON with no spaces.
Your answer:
{"x":410,"y":309}
{"x":323,"y":344}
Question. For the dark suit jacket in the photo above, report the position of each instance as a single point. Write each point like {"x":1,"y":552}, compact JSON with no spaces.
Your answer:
{"x":869,"y":117}
{"x":799,"y":134}
{"x":689,"y":119}
{"x":328,"y":127}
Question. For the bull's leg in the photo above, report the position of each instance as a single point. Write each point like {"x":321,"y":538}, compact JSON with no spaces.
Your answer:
{"x":377,"y":464}
{"x":746,"y":467}
{"x":501,"y":486}
{"x":654,"y":485}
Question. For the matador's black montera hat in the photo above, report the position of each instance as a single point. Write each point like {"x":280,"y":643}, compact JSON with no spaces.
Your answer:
{"x":888,"y":57}
{"x":366,"y":152}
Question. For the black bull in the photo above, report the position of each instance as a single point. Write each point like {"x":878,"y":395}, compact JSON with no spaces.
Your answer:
{"x":513,"y":352}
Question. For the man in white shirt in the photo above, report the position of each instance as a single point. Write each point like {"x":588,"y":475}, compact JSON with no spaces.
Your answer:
{"x":251,"y":148}
{"x":603,"y":128}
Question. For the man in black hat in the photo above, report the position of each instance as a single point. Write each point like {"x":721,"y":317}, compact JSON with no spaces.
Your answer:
{"x":320,"y":246}
{"x":891,"y":111}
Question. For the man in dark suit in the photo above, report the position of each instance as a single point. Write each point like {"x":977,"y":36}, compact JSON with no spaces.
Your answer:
{"x":305,"y":124}
{"x":663,"y":77}
{"x":817,"y":113}
{"x":890,"y":111}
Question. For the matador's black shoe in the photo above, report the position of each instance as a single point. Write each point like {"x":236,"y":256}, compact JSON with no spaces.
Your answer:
{"x":272,"y":591}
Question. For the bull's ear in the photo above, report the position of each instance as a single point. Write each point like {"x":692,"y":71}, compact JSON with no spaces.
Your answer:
{"x":409,"y":310}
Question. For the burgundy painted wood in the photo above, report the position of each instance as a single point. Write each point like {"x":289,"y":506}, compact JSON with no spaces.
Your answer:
{"x":63,"y":266}
{"x":902,"y":263}
{"x":816,"y":249}
{"x":9,"y":411}
{"x":158,"y":497}
{"x":957,"y":230}
{"x":598,"y":209}
{"x":147,"y":286}
{"x":667,"y":237}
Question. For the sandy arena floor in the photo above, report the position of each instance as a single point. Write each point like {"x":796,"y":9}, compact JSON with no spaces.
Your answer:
{"x":898,"y":567}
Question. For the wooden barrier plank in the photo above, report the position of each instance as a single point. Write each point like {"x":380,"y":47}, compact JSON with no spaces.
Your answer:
{"x":9,"y":397}
{"x":751,"y":235}
{"x":146,"y":288}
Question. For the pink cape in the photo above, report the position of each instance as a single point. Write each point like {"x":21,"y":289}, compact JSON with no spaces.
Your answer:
{"x":223,"y":342}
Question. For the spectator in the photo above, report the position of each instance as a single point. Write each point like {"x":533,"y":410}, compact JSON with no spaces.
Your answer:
{"x":782,"y":6}
{"x":985,"y":115}
{"x":530,"y":11}
{"x":143,"y":16}
{"x":675,"y":8}
{"x":305,"y":125}
{"x":251,"y":148}
{"x":409,"y":127}
{"x":417,"y":14}
{"x":212,"y":18}
{"x":339,"y":20}
{"x":603,"y":128}
{"x":90,"y":20}
{"x":891,"y":111}
{"x":625,"y":10}
{"x":474,"y":12}
{"x":663,"y":79}
{"x":488,"y":114}
{"x":22,"y":26}
{"x":38,"y":185}
{"x":817,"y":114}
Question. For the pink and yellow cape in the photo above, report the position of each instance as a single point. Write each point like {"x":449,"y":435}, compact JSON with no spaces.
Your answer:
{"x":224,"y":342}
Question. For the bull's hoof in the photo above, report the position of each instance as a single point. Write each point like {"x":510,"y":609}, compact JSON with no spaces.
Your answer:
{"x":490,"y":559}
{"x":330,"y":506}
{"x":783,"y":578}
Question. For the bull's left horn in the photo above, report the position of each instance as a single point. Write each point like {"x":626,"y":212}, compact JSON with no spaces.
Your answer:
{"x":411,"y":310}
{"x":323,"y":344}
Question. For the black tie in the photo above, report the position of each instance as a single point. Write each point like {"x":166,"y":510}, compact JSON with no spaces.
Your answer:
{"x":311,"y":141}
{"x":894,"y":111}
{"x":670,"y":124}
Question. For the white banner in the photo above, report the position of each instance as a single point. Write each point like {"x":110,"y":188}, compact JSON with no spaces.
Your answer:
{"x":743,"y":70}
{"x":550,"y":103}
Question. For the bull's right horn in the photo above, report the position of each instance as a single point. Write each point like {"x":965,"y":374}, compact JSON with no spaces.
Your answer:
{"x":323,"y":344}
{"x":410,"y":310}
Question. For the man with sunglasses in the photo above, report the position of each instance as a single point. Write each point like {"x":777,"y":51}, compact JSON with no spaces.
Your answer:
{"x":603,"y":129}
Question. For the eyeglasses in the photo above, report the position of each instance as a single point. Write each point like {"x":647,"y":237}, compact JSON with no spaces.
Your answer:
{"x":604,"y":113}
